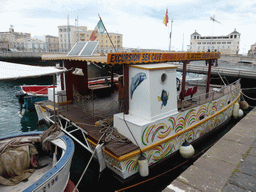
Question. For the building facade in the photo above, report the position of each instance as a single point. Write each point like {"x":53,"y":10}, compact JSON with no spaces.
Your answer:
{"x":228,"y":44}
{"x":52,"y":43}
{"x":252,"y":51}
{"x":8,"y":39}
{"x":30,"y":45}
{"x":69,"y":35}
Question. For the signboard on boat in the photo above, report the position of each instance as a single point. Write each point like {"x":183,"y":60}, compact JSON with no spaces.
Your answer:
{"x":158,"y":57}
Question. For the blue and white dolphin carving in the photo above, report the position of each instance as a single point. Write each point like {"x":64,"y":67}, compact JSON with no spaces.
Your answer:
{"x":136,"y":80}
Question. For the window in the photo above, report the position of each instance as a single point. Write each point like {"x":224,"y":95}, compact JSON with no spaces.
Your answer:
{"x":208,"y":42}
{"x":218,"y":42}
{"x":213,"y":42}
{"x":60,"y":30}
{"x":197,"y":37}
{"x":199,"y":42}
{"x":223,"y":42}
{"x":194,"y":37}
{"x":235,"y":36}
{"x":228,"y":42}
{"x":204,"y":42}
{"x":231,"y":36}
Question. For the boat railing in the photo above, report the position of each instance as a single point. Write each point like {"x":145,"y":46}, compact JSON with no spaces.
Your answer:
{"x":216,"y":93}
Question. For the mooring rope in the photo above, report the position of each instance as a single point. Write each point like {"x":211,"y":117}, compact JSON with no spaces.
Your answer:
{"x":87,"y":164}
{"x":161,"y":174}
{"x":247,"y":95}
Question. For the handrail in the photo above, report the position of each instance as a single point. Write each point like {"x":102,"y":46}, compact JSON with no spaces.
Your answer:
{"x":206,"y":97}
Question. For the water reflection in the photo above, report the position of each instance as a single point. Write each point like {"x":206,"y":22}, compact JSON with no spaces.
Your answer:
{"x":10,"y":119}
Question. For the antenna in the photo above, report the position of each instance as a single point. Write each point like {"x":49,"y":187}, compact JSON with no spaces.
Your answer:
{"x":183,"y":43}
{"x":68,"y":35}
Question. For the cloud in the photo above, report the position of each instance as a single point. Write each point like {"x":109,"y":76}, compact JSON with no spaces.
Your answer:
{"x":140,"y":22}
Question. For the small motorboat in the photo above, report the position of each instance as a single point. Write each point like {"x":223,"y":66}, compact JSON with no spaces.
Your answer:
{"x":35,"y":161}
{"x":29,"y":94}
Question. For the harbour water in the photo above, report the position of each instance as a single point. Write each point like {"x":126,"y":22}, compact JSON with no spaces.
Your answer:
{"x":11,"y":121}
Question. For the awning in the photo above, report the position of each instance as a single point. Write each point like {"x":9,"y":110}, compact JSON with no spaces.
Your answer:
{"x":11,"y":71}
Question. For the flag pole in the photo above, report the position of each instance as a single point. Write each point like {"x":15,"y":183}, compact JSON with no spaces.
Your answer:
{"x":170,"y":44}
{"x":107,"y":33}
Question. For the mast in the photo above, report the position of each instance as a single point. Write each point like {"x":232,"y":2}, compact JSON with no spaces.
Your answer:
{"x":108,"y":34}
{"x":170,"y":44}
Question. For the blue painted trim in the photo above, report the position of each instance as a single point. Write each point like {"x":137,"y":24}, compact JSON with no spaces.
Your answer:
{"x":51,"y":173}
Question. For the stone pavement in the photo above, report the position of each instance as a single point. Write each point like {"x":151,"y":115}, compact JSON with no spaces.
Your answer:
{"x":228,"y":166}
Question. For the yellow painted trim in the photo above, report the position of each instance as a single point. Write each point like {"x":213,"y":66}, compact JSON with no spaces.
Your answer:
{"x":65,"y":103}
{"x":137,"y":152}
{"x":44,"y":110}
{"x":151,"y":69}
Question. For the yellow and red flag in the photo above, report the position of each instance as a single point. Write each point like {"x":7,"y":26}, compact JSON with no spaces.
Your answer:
{"x":166,"y":19}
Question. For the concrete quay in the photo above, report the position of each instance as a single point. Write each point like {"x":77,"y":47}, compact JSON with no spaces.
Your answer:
{"x":228,"y":166}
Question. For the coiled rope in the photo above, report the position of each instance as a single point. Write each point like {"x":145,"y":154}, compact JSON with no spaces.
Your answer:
{"x":110,"y":131}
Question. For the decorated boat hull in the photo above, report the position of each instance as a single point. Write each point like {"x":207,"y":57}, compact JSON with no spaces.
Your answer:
{"x":163,"y":138}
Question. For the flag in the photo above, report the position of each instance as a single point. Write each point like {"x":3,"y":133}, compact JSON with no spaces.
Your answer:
{"x":99,"y":29}
{"x":166,"y":19}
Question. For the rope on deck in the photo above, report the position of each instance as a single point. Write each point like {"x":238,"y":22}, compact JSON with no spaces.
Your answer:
{"x":110,"y":131}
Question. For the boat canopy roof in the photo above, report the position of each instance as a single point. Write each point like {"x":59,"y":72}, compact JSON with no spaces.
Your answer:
{"x":11,"y":71}
{"x":137,"y":57}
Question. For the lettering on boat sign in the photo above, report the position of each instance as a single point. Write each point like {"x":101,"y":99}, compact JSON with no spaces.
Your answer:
{"x":121,"y":58}
{"x":48,"y":186}
{"x":125,"y":57}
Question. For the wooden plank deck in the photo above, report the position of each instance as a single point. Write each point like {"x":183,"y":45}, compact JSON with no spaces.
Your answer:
{"x":86,"y":121}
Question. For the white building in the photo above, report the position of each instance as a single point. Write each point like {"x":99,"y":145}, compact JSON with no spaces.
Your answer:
{"x":228,"y":44}
{"x":68,"y":36}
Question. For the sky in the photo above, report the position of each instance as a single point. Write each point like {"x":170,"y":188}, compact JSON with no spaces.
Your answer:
{"x":140,"y":21}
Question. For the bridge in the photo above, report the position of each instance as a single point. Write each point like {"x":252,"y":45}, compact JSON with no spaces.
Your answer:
{"x":248,"y":72}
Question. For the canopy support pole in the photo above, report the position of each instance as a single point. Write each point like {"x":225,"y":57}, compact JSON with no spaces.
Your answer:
{"x":126,"y":89}
{"x":209,"y":76}
{"x":183,"y":87}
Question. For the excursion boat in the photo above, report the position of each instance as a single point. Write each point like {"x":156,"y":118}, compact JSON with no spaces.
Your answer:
{"x":151,"y":115}
{"x":34,"y":161}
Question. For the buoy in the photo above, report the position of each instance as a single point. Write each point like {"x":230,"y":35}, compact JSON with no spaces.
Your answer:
{"x":243,"y":104}
{"x":187,"y":150}
{"x":235,"y":110}
{"x":143,"y":166}
{"x":240,"y":113}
